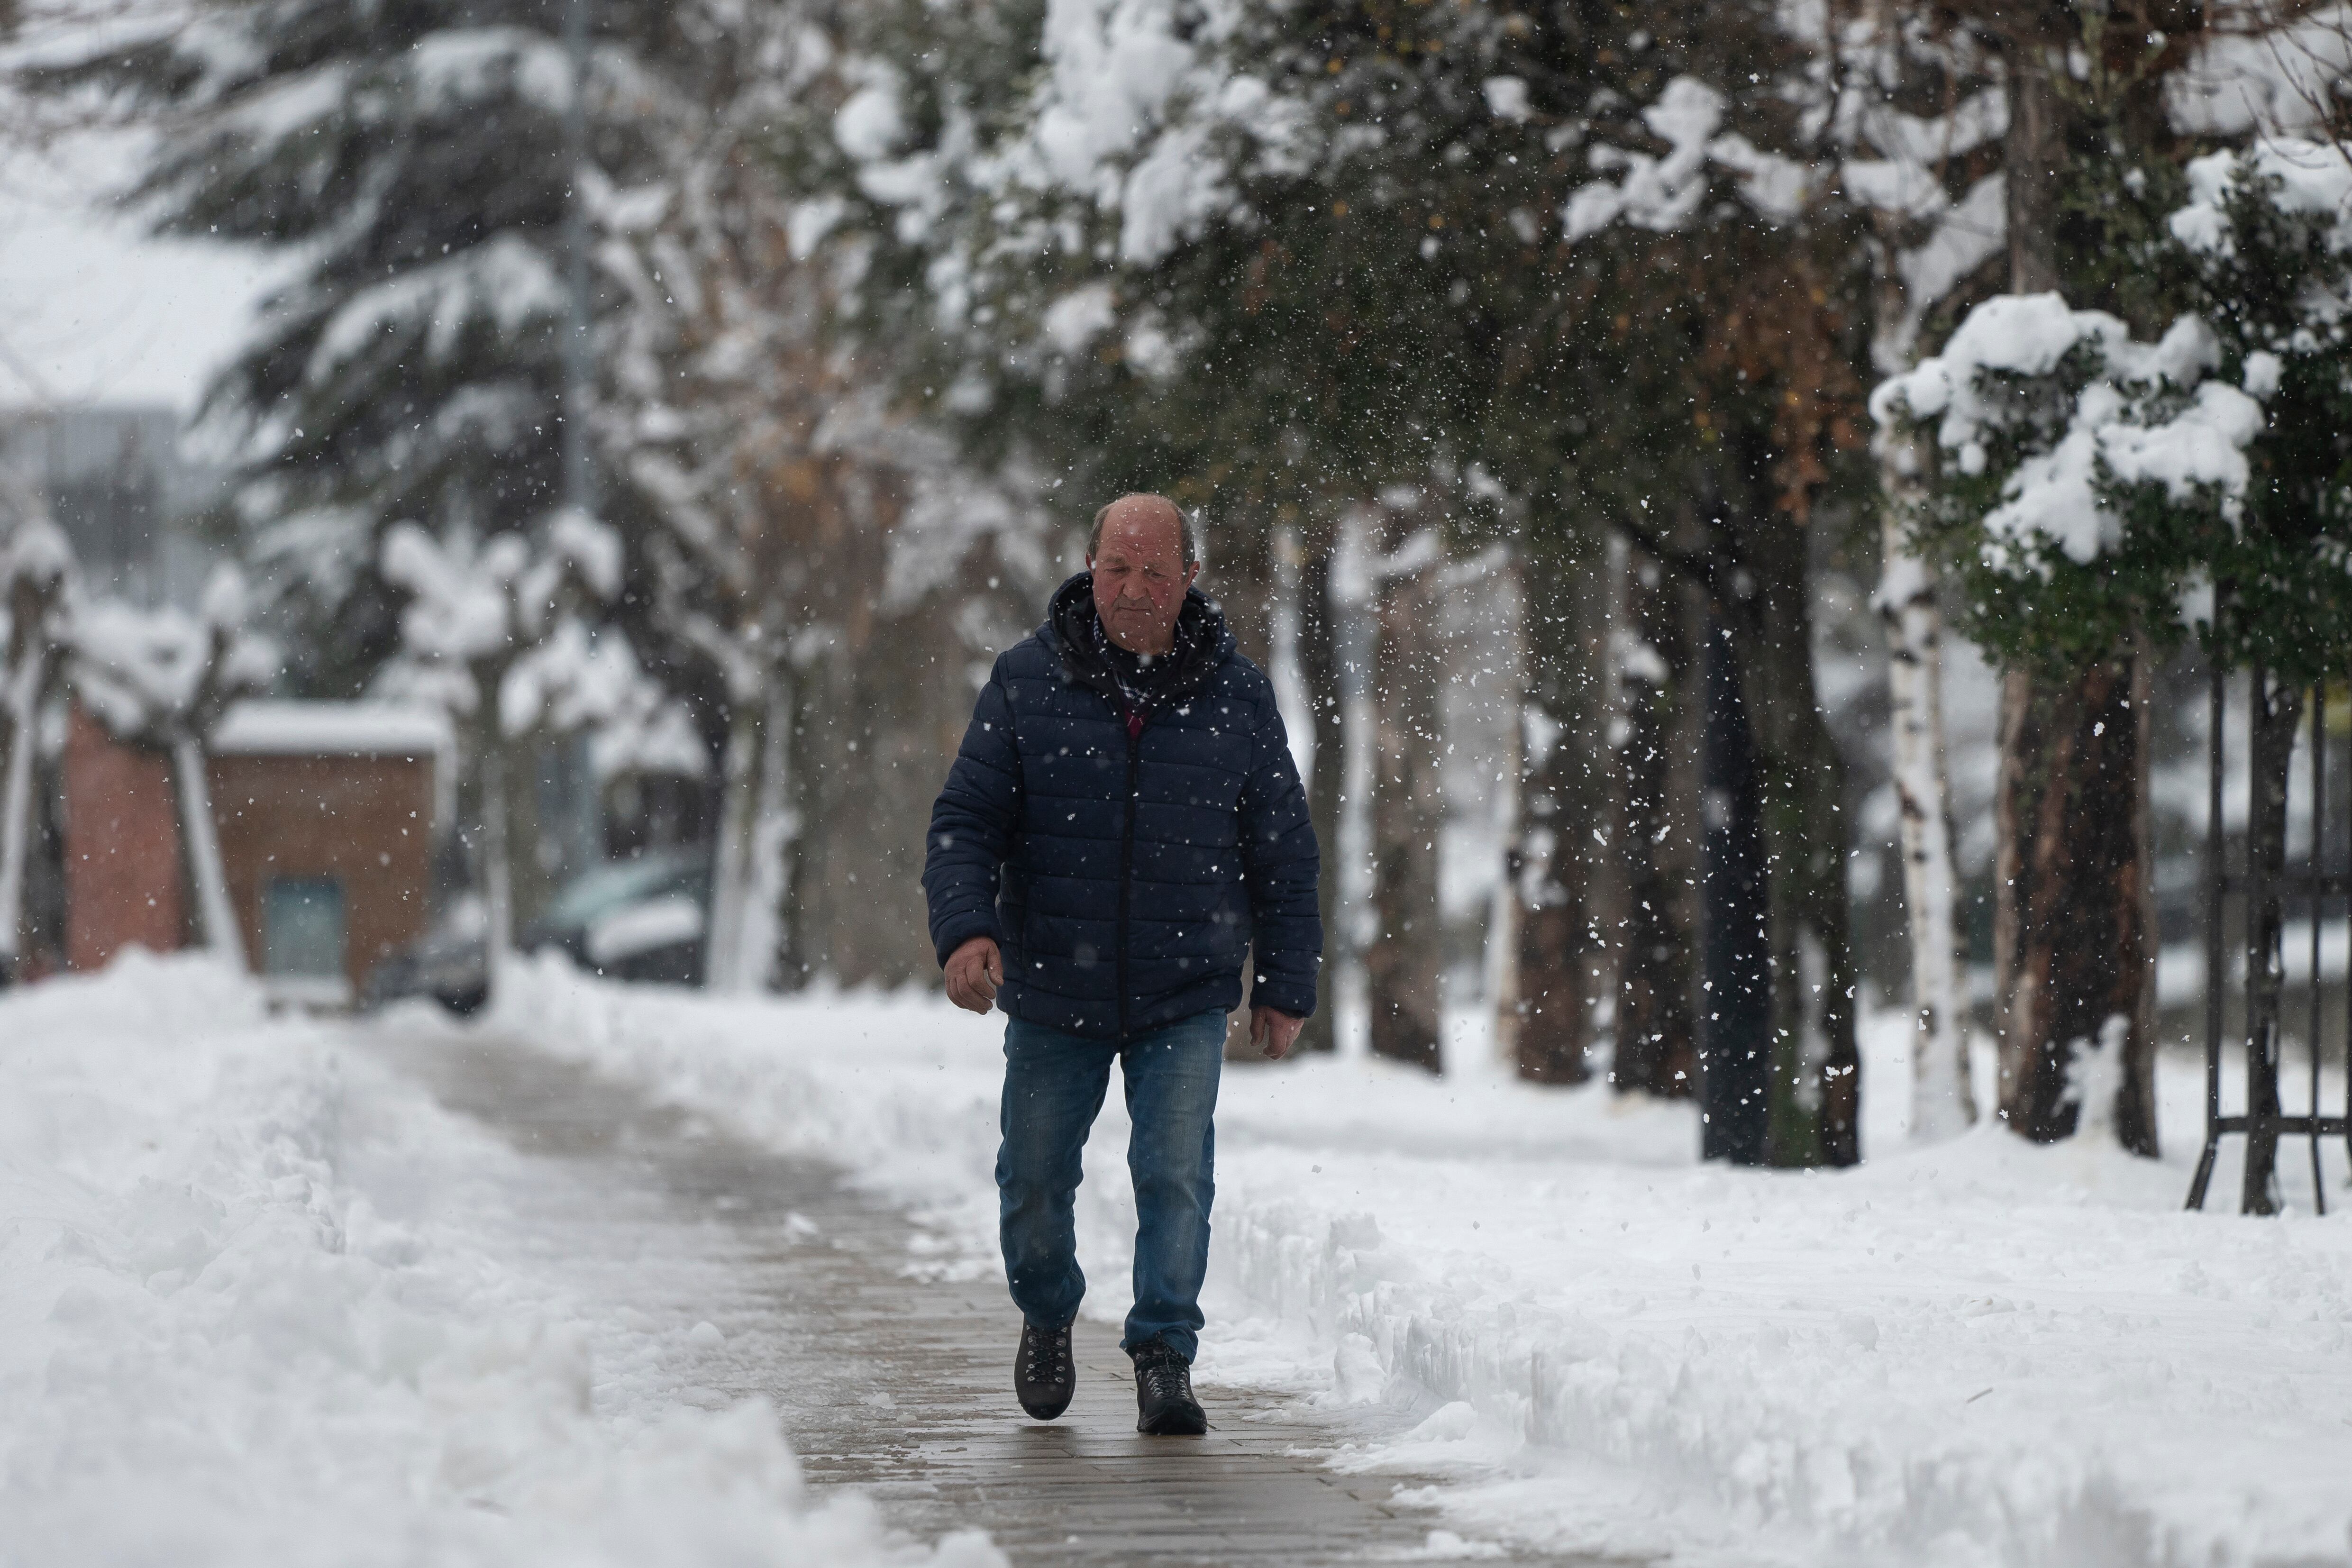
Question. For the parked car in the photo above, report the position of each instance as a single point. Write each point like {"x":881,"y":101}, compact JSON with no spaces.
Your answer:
{"x":642,"y":919}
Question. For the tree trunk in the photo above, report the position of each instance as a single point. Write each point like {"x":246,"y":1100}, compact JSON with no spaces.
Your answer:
{"x":1354,"y":589}
{"x":1737,"y":1054}
{"x":498,"y":888}
{"x":1942,"y":1102}
{"x":1816,"y":1060}
{"x":2276,"y":713}
{"x":1817,"y":1077}
{"x":727,"y":967}
{"x":777,"y":951}
{"x":1501,"y":958}
{"x":1567,"y":971}
{"x":533,"y":855}
{"x":1404,"y":961}
{"x":1318,"y":669}
{"x":2033,"y":159}
{"x":1285,"y":568}
{"x":2073,"y":902}
{"x":2071,"y":934}
{"x":215,"y":912}
{"x":1657,"y":759}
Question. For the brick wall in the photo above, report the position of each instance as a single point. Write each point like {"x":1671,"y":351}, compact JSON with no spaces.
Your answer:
{"x":121,"y":848}
{"x":365,"y":821}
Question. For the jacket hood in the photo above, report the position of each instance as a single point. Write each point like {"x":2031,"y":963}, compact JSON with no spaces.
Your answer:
{"x":1203,"y":641}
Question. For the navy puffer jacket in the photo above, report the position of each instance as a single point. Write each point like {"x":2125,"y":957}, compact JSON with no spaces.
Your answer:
{"x":1122,"y":874}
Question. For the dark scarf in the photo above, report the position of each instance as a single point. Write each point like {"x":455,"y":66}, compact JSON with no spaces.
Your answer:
{"x":1125,"y":680}
{"x":1141,"y":678}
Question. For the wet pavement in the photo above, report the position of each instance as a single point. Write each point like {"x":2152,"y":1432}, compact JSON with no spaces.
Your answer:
{"x":886,"y":1377}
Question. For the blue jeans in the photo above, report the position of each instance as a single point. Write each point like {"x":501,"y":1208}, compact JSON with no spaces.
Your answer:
{"x":1054,"y":1086}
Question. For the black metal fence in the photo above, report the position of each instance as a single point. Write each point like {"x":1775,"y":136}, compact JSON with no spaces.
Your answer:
{"x":2302,"y":878}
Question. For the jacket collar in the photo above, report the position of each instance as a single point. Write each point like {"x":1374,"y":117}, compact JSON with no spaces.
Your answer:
{"x":1204,"y":642}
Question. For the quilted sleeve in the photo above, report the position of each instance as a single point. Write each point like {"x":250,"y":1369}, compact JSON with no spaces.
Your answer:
{"x":972,"y":824}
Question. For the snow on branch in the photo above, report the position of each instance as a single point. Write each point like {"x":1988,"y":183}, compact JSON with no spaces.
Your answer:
{"x":505,"y":284}
{"x":2067,"y":410}
{"x":157,"y":675}
{"x":499,"y":617}
{"x":2296,"y":178}
{"x":1665,"y":191}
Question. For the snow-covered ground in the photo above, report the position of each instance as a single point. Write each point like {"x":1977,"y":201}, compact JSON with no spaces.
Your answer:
{"x":253,"y":1306}
{"x":244,"y":1318}
{"x":1981,"y":1353}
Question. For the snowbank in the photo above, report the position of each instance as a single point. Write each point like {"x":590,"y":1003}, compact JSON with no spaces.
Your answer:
{"x":213,"y":1349}
{"x":1979,"y":1353}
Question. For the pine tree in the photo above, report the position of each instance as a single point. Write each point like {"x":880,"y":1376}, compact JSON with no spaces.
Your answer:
{"x":412,"y":164}
{"x":411,"y":369}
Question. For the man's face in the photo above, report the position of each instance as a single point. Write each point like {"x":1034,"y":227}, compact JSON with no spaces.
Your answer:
{"x":1141,"y":575}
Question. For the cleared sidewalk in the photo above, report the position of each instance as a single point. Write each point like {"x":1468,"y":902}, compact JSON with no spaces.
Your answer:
{"x":899,"y":1385}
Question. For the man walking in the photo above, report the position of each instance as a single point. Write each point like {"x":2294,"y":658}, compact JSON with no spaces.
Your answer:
{"x":1122,"y":821}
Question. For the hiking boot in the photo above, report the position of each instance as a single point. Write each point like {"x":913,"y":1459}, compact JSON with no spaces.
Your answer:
{"x":1163,"y":1393}
{"x":1043,"y":1374}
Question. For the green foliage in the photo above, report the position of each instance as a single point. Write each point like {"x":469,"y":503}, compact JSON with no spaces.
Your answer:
{"x":2281,"y":286}
{"x":2027,"y":600}
{"x":1386,"y":297}
{"x":2267,"y":279}
{"x":2112,"y":249}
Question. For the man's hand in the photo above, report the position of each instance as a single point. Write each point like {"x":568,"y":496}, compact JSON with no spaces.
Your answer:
{"x":974,"y":971}
{"x":1273,"y":1033}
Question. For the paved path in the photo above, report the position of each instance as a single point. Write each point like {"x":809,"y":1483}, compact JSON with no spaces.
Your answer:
{"x":896,"y":1385}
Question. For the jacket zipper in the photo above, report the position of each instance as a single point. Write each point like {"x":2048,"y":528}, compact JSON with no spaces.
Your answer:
{"x":1126,"y":868}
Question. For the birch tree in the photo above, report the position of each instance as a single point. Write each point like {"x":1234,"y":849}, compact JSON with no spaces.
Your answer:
{"x":1936,"y":216}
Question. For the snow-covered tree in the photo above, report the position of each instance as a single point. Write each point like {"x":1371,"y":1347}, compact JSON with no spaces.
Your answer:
{"x":1273,"y":253}
{"x":2085,"y":480}
{"x":725,"y":404}
{"x":410,"y":163}
{"x":1918,"y":119}
{"x":2268,"y":234}
{"x":491,"y":634}
{"x":162,"y":680}
{"x":36,"y":581}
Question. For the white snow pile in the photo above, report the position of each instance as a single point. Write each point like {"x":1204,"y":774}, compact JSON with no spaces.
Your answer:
{"x":2144,"y":414}
{"x":214,"y":1349}
{"x":1980,"y":1352}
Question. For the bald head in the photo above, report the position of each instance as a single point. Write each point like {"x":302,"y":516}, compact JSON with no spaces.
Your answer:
{"x":1141,"y":556}
{"x":1151,"y":512}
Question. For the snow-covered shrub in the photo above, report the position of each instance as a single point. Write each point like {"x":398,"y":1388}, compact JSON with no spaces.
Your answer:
{"x":2267,"y":239}
{"x":2080,"y":469}
{"x":2091,"y":486}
